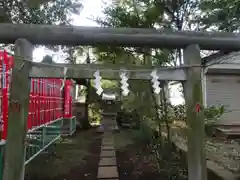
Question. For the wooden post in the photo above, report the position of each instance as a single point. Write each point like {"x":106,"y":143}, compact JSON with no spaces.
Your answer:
{"x":195,"y":117}
{"x":164,"y":98}
{"x":158,"y":105}
{"x":18,"y":112}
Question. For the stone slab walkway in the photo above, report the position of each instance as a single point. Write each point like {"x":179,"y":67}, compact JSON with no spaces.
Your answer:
{"x":107,"y":168}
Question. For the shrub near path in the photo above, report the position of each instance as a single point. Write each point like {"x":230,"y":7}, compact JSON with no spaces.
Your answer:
{"x":135,"y":161}
{"x":137,"y":158}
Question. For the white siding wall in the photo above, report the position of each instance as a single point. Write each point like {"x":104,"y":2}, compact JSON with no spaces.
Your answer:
{"x":204,"y":94}
{"x":224,"y":89}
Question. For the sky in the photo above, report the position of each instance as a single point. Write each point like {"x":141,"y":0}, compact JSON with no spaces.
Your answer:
{"x":94,"y":8}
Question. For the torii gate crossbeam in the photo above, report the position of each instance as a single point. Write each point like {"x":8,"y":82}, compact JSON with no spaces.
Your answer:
{"x":128,"y":37}
{"x":85,"y":71}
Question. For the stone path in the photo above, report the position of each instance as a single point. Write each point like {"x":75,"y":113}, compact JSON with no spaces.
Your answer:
{"x":107,"y":168}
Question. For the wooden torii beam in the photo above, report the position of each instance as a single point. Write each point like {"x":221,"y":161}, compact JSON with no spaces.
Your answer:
{"x":86,"y":71}
{"x":137,"y":37}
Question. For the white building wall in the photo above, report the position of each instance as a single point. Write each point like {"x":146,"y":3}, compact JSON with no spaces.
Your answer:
{"x":224,"y":89}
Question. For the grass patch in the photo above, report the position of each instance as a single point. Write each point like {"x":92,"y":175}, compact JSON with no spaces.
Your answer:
{"x":66,"y":154}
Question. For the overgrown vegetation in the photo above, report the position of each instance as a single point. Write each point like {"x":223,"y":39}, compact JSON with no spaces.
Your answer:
{"x":168,"y":158}
{"x":159,"y":14}
{"x":160,"y":154}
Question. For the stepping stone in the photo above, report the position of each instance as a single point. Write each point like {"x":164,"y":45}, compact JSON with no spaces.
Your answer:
{"x":107,"y":134}
{"x":107,"y":172}
{"x":107,"y":148}
{"x":107,"y":143}
{"x":108,"y":138}
{"x":111,"y":161}
{"x":107,"y":153}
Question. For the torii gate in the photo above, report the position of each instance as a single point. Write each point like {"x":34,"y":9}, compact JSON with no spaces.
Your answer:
{"x":25,"y":36}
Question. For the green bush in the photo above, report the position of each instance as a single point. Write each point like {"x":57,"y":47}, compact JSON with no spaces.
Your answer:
{"x":132,"y":119}
{"x":213,"y":113}
{"x":146,"y":133}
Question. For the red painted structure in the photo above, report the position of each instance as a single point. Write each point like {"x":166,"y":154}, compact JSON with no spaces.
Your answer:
{"x":48,"y":101}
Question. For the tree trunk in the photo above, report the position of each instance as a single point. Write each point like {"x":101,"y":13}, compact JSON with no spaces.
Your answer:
{"x":165,"y":109}
{"x":85,"y":122}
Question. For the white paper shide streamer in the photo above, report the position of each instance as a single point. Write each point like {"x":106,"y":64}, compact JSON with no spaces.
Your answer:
{"x":65,"y":69}
{"x":97,"y":82}
{"x":124,"y":84}
{"x":155,"y":82}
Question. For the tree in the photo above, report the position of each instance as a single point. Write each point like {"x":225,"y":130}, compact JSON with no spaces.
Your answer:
{"x":85,"y":52}
{"x":136,"y":14}
{"x":220,"y":15}
{"x":161,"y":14}
{"x":179,"y":15}
{"x":47,"y":60}
{"x":38,"y":11}
{"x":85,"y":123}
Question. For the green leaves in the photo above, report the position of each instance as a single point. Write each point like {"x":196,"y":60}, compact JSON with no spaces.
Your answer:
{"x":48,"y":60}
{"x":168,"y":15}
{"x":213,"y":113}
{"x":38,"y":11}
{"x":135,"y":14}
{"x":224,"y":15}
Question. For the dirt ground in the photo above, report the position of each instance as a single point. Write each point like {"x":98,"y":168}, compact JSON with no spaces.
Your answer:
{"x":132,"y":166}
{"x":74,"y":158}
{"x":77,"y":157}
